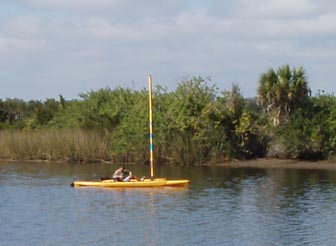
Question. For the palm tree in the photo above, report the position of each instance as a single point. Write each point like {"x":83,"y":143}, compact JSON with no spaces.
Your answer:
{"x":299,"y":89}
{"x":282,"y":91}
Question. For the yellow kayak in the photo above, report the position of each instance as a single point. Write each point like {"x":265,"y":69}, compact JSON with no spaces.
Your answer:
{"x":110,"y":183}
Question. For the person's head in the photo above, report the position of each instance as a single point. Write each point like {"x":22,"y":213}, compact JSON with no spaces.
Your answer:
{"x":122,"y":168}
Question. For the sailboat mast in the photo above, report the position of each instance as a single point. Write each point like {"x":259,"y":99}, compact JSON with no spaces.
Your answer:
{"x":151,"y":136}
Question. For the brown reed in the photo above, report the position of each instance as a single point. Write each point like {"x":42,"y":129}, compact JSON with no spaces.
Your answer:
{"x":73,"y":145}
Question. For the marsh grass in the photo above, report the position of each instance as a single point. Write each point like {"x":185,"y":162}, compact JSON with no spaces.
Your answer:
{"x":68,"y":145}
{"x":77,"y":146}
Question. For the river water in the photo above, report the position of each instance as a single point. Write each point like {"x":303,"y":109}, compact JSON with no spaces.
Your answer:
{"x":221,"y":206}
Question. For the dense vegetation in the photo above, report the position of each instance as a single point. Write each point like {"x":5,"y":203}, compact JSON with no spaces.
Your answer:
{"x":194,"y":124}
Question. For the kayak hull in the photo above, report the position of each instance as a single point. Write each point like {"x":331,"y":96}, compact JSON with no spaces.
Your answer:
{"x":131,"y":184}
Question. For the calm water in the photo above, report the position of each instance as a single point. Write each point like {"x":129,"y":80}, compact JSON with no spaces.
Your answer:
{"x":222,"y":206}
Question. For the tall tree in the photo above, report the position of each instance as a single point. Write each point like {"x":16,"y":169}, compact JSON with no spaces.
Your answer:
{"x":282,"y":91}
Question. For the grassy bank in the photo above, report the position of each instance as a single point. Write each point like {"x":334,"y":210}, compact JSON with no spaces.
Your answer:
{"x":69,"y":145}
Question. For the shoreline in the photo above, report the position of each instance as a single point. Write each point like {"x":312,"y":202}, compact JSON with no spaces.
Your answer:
{"x":263,"y":163}
{"x":280,"y":163}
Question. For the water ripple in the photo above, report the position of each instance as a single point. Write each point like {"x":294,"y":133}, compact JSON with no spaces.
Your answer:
{"x":240,"y":207}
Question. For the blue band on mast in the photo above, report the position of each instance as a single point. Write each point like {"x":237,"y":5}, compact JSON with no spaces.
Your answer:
{"x":151,"y":147}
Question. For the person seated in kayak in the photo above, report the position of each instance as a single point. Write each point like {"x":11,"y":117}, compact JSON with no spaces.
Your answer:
{"x":122,"y":174}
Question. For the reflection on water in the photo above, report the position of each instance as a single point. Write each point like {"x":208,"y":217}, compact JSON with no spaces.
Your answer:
{"x":222,"y":206}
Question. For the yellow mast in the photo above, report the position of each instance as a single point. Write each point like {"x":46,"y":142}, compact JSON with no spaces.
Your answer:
{"x":151,"y":136}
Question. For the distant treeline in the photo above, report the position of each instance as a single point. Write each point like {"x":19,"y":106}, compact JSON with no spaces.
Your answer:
{"x":194,"y":124}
